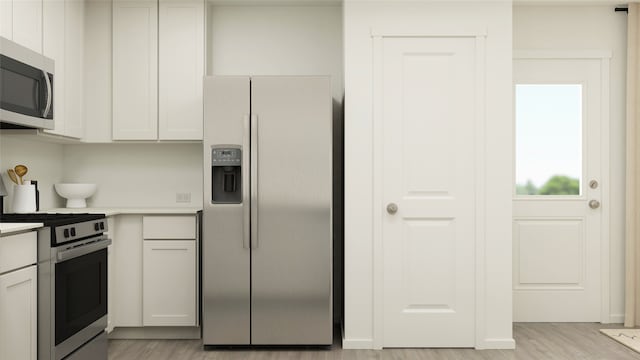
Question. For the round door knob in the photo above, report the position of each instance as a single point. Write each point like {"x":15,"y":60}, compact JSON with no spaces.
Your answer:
{"x":392,"y":208}
{"x":594,"y":204}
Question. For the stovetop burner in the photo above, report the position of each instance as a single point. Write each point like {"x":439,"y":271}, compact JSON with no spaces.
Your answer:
{"x":51,"y":219}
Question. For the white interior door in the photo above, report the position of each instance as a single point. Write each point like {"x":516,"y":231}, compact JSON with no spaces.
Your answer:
{"x":428,"y":96}
{"x":556,"y":208}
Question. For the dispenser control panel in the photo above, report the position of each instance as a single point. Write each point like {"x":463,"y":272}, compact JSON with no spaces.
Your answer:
{"x":226,"y":157}
{"x":226,"y":174}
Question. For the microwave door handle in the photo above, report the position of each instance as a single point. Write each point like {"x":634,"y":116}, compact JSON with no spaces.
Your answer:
{"x":47,"y":107}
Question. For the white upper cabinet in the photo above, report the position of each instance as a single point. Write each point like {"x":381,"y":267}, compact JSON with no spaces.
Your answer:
{"x":74,"y":65}
{"x":27,"y":23}
{"x":62,"y":40}
{"x":53,"y":47}
{"x":181,"y":68}
{"x":158,"y":65}
{"x":135,"y":70}
{"x":6,"y":19}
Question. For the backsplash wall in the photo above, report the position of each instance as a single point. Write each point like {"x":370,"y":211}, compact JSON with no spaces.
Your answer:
{"x":137,"y":175}
{"x":44,"y":160}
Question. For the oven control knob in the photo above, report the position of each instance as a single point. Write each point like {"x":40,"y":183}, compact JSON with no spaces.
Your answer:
{"x":101,"y":225}
{"x":96,"y":227}
{"x":73,"y":231}
{"x":66,"y":233}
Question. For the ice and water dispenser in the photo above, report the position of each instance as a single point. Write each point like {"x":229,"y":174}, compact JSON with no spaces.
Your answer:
{"x":226,"y":175}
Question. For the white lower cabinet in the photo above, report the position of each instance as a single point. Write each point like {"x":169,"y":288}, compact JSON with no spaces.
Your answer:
{"x":154,"y":271}
{"x":169,"y":283}
{"x":127,"y":271}
{"x":18,"y":297}
{"x":18,"y":314}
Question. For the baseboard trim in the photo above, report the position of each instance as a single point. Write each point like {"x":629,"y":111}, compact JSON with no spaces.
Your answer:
{"x":148,"y":333}
{"x":357,"y":344}
{"x":496,"y":344}
{"x":616,"y":318}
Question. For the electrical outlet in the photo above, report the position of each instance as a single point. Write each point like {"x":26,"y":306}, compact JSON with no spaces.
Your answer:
{"x":183,"y":197}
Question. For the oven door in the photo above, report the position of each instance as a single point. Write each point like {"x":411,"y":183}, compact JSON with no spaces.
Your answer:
{"x":80,"y":295}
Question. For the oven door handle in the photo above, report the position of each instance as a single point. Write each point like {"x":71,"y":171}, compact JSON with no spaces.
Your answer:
{"x":83,"y":250}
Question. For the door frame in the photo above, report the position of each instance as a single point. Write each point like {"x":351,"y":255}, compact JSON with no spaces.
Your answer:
{"x":604,"y":56}
{"x":377,"y":36}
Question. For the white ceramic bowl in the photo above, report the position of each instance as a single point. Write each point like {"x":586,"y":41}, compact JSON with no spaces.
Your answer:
{"x":76,"y":194}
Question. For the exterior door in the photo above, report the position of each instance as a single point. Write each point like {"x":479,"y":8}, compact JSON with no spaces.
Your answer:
{"x":428,"y":97}
{"x":556,"y":208}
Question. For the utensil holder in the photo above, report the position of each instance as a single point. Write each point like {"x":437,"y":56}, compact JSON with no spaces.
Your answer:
{"x":24,"y":198}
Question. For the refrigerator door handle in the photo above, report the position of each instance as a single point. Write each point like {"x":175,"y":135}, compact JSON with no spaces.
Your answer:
{"x":254,"y":181}
{"x":246,"y":202}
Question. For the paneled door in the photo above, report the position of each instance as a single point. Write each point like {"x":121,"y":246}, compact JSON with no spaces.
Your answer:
{"x":557,"y":207}
{"x":428,"y":89}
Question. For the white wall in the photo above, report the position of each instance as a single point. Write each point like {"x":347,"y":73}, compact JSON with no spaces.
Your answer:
{"x":590,"y":28}
{"x":276,"y":40}
{"x":44,"y":161}
{"x":494,"y":328}
{"x":137,"y":175}
{"x":128,"y":175}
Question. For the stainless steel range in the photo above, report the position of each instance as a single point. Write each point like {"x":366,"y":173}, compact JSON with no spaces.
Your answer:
{"x":72,"y":285}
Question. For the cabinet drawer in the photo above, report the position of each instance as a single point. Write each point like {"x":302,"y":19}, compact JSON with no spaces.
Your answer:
{"x":169,"y":227}
{"x":18,"y":250}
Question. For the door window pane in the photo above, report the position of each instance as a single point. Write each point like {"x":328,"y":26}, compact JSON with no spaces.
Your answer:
{"x":548,"y":139}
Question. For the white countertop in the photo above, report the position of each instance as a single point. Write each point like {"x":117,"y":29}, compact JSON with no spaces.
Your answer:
{"x":8,"y":228}
{"x":124,"y":210}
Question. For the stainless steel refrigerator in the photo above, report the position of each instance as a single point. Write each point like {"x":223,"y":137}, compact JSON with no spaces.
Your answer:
{"x":267,"y":237}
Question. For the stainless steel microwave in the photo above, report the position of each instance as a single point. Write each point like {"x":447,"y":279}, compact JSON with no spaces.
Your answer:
{"x":26,"y":88}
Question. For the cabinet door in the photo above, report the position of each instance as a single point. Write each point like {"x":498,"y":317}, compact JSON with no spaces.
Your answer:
{"x":169,"y":283}
{"x":18,"y":314}
{"x":6,"y":19}
{"x":27,"y":23}
{"x":53,"y":36}
{"x":181,"y":68}
{"x":127,"y":271}
{"x":74,"y":63}
{"x":135,"y":70}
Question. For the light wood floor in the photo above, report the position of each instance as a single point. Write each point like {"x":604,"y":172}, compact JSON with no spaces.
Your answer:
{"x":535,"y":341}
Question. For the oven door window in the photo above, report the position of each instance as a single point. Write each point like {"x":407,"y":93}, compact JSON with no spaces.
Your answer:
{"x":81,"y":293}
{"x":23,"y":88}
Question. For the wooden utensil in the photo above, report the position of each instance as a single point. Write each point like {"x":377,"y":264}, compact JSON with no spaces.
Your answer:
{"x":12,"y":176}
{"x":21,"y":171}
